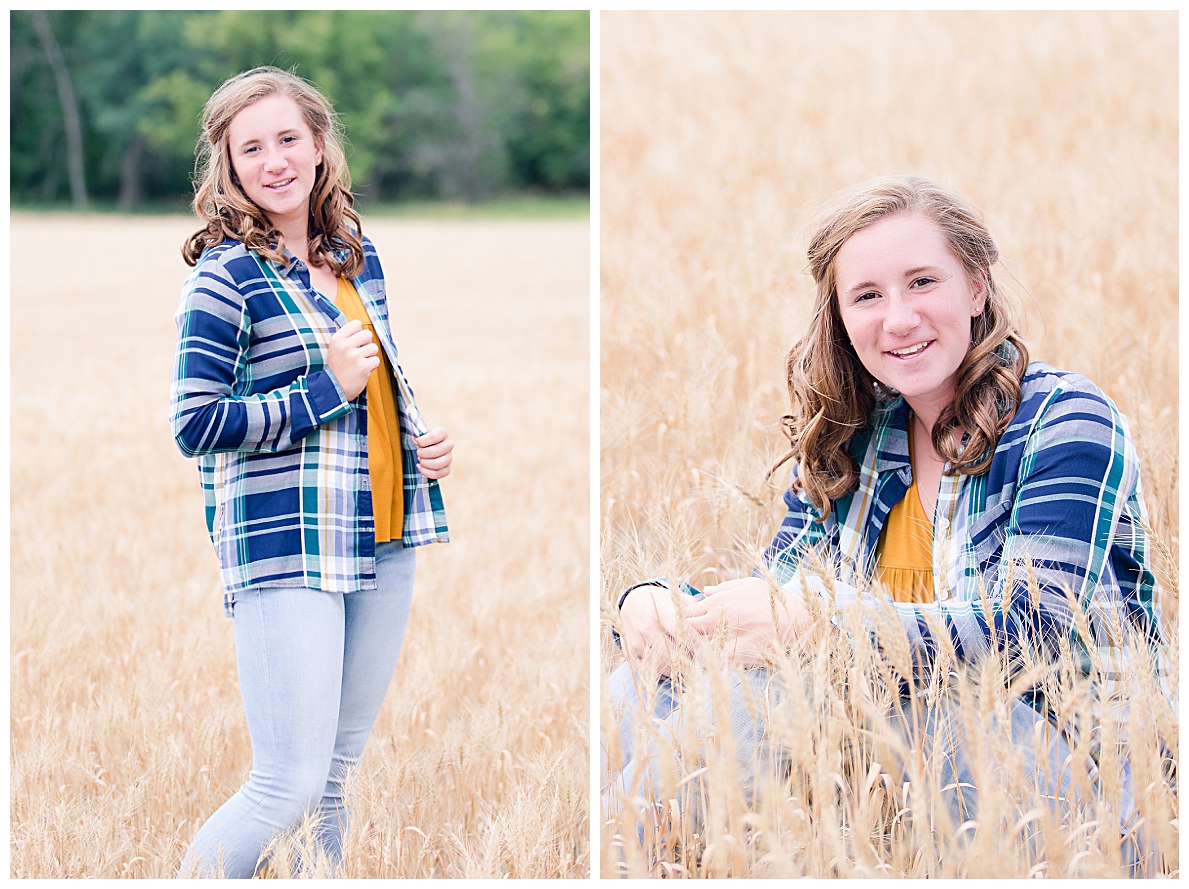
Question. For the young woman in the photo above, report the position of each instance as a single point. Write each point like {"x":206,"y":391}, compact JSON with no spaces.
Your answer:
{"x":318,"y":474}
{"x":992,"y":498}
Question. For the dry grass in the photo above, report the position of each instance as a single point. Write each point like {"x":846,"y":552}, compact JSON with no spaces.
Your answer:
{"x":127,"y":725}
{"x":719,"y":132}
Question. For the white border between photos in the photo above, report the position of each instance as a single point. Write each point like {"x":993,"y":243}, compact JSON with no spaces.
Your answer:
{"x":595,"y":818}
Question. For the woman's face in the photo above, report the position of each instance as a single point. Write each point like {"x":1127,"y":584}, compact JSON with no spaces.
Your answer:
{"x":275,"y":155}
{"x":906,"y":303}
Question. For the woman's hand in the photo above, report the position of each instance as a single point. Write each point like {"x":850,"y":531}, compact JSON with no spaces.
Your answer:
{"x":435,"y":453}
{"x":352,"y":358}
{"x":648,"y":623}
{"x":745,"y":607}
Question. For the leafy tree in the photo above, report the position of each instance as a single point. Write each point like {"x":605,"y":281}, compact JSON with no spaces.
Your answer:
{"x":551,"y":145}
{"x":435,"y":104}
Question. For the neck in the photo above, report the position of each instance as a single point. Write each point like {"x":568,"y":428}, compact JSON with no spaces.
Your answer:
{"x":920,"y":436}
{"x":920,"y":429}
{"x":299,"y":248}
{"x":928,"y":408}
{"x":296,"y":233}
{"x":926,"y":419}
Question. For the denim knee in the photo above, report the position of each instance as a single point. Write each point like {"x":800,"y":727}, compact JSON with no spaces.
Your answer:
{"x":294,"y":789}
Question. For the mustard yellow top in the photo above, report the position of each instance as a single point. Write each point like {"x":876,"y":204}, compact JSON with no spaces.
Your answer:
{"x":383,"y":429}
{"x":904,"y":556}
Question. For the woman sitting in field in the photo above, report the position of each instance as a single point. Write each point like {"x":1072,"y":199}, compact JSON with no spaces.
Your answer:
{"x":996,"y":501}
{"x":318,"y":473}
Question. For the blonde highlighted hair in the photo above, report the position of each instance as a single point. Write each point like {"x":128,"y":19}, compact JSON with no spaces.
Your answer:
{"x":833,"y":395}
{"x":226,"y":210}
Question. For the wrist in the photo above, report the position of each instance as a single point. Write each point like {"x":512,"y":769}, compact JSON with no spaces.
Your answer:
{"x":326,"y":396}
{"x":624,"y":597}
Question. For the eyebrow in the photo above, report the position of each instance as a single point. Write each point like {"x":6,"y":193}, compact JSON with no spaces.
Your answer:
{"x":281,"y":133}
{"x":910,"y":273}
{"x":923,"y":268}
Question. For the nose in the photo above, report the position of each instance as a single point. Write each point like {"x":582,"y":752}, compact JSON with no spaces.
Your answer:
{"x":901,"y":316}
{"x":274,"y":161}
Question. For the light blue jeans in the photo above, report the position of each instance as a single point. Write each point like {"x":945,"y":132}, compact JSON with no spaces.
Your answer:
{"x":313,"y":670}
{"x":749,"y":694}
{"x":640,"y":776}
{"x":940,"y":733}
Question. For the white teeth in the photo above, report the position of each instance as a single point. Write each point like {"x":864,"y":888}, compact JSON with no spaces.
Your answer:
{"x":904,"y":353}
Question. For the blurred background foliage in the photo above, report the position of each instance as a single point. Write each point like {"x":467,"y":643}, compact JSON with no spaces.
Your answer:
{"x":457,"y":106}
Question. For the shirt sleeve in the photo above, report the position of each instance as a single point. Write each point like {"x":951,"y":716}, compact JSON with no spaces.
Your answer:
{"x":207,"y":411}
{"x":803,"y":534}
{"x":1077,"y":474}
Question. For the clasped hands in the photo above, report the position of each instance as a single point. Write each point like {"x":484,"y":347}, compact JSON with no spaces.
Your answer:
{"x":743,"y":608}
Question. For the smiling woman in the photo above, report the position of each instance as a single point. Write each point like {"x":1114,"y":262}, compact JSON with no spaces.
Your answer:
{"x":318,"y":473}
{"x":994,"y":503}
{"x":275,"y":157}
{"x":906,"y":304}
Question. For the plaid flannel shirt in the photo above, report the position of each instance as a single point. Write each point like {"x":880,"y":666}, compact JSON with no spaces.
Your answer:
{"x":282,"y":454}
{"x":1062,"y":495}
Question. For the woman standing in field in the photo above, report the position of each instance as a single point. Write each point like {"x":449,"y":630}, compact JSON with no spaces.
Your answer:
{"x":318,"y":474}
{"x":996,"y":502}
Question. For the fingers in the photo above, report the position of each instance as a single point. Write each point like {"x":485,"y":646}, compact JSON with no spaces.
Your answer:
{"x":651,"y":646}
{"x":429,"y":452}
{"x":726,"y":585}
{"x":367,"y":357}
{"x":435,"y":453}
{"x":702,"y":617}
{"x":362,"y":340}
{"x":702,"y":624}
{"x":434,"y":467}
{"x":349,"y":329}
{"x":701,"y":607}
{"x":438,"y":455}
{"x":353,"y":335}
{"x":434,"y":436}
{"x":352,"y":357}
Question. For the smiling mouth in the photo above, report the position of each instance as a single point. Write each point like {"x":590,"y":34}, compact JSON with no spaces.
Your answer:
{"x":911,"y":350}
{"x":280,"y":184}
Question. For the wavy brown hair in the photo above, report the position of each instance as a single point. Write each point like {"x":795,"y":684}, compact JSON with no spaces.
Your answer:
{"x":833,"y":395}
{"x":220,"y":202}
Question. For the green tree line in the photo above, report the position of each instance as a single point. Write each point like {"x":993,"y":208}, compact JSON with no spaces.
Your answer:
{"x":436,"y":105}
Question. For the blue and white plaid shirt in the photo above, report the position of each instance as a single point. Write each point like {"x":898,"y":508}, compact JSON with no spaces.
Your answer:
{"x":1062,"y":495}
{"x":282,"y":454}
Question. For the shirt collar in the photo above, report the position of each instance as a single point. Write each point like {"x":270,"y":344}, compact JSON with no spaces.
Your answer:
{"x":286,"y":270}
{"x":891,"y":435}
{"x":891,"y":432}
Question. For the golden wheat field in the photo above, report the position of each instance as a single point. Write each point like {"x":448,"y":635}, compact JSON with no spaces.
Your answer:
{"x":720,"y":132}
{"x":126,"y":720}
